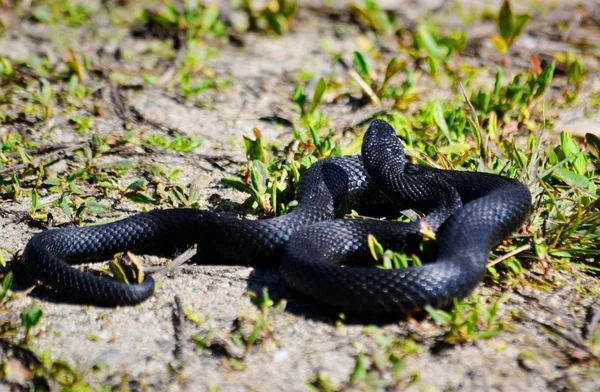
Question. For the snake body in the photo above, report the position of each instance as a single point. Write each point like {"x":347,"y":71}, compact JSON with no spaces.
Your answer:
{"x":320,"y":257}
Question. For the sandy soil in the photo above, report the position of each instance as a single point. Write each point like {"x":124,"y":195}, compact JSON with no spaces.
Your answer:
{"x":139,"y":345}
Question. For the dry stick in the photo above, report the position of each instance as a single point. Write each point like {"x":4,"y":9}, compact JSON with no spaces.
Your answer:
{"x":567,"y":338}
{"x":366,"y":88}
{"x":51,"y":155}
{"x":43,"y":150}
{"x":119,"y":103}
{"x":516,"y":251}
{"x":176,"y":263}
{"x":533,"y":169}
{"x":178,"y":319}
{"x":171,"y":70}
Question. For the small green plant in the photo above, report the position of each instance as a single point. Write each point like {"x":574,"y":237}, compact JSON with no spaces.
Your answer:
{"x":388,"y":258}
{"x":45,"y":97}
{"x":510,"y":27}
{"x":77,"y":65}
{"x":162,"y":188}
{"x":269,"y":183}
{"x":321,"y":383}
{"x":275,"y":15}
{"x":575,"y":77}
{"x":7,"y":73}
{"x":435,"y":49}
{"x":193,"y":19}
{"x":311,"y":122}
{"x":307,"y":112}
{"x":179,"y":143}
{"x":470,"y":320}
{"x":68,"y":12}
{"x":371,"y":15}
{"x":30,"y":317}
{"x":515,"y":100}
{"x":374,"y":90}
{"x":257,"y":180}
{"x":246,"y":333}
{"x":6,"y":284}
{"x":382,"y":367}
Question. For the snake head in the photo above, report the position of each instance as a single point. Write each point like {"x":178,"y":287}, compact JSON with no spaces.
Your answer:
{"x":382,"y":152}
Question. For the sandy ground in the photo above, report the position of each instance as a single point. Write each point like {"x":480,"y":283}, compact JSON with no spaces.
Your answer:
{"x":139,"y":345}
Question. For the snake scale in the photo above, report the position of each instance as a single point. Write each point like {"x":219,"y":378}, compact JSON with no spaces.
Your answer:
{"x":323,"y":258}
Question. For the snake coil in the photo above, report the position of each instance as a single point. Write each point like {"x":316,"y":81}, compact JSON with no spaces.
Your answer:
{"x":472,"y":212}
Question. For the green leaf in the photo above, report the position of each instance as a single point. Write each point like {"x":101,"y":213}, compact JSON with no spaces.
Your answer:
{"x":52,"y":181}
{"x":259,"y":176}
{"x":519,"y":23}
{"x":593,"y":144}
{"x":255,"y":331}
{"x":138,"y":185}
{"x":95,"y":207}
{"x":118,"y":272}
{"x":6,"y":284}
{"x":400,"y":260}
{"x":393,"y":67}
{"x":429,"y":42}
{"x":362,"y":66}
{"x":315,"y":138}
{"x":238,"y":185}
{"x":572,"y":178}
{"x":318,"y":95}
{"x":375,"y":247}
{"x":440,"y":120}
{"x":359,"y":372}
{"x":568,"y":145}
{"x":500,"y":44}
{"x":544,"y":79}
{"x":498,"y":82}
{"x":505,"y":21}
{"x":34,"y":199}
{"x":140,"y":198}
{"x":439,"y":317}
{"x":31,"y":316}
{"x":64,"y":205}
{"x":580,"y":164}
{"x":299,"y":98}
{"x":254,"y":149}
{"x":575,"y":72}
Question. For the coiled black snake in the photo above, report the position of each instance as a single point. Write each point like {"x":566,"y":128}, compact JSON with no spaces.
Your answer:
{"x":472,"y":212}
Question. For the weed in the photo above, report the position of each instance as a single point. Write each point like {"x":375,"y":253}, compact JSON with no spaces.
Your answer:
{"x":30,"y":317}
{"x":375,"y":18}
{"x":382,"y":366}
{"x":510,"y":27}
{"x":245,"y":333}
{"x":275,"y":15}
{"x":470,"y":320}
{"x":62,"y":11}
{"x":193,"y":19}
{"x":389,"y":259}
{"x":377,"y":91}
{"x":6,"y":284}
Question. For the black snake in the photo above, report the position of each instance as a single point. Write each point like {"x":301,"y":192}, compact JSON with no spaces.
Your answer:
{"x":320,"y":257}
